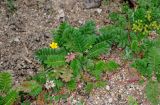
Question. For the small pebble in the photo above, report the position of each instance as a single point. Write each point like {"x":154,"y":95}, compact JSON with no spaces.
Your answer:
{"x":99,"y":10}
{"x":61,"y":14}
{"x":110,"y":100}
{"x":74,"y":101}
{"x":107,"y":87}
{"x":16,"y":39}
{"x":140,"y":93}
{"x":30,"y":72}
{"x":80,"y":22}
{"x":112,"y":94}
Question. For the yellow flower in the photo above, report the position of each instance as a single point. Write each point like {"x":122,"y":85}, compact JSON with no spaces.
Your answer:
{"x":148,"y":15}
{"x":53,"y":45}
{"x":154,"y":25}
{"x":138,"y":26}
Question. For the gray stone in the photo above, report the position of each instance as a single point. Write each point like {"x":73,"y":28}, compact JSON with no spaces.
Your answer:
{"x":110,"y":100}
{"x":92,"y":4}
{"x":107,"y":87}
{"x":98,"y":10}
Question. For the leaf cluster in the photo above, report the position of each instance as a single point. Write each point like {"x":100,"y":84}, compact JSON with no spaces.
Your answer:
{"x":150,"y":64}
{"x":82,"y":41}
{"x":153,"y":92}
{"x":86,"y":45}
{"x":8,"y":95}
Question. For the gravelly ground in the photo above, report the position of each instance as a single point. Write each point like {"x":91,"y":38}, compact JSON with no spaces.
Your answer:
{"x":121,"y":85}
{"x":28,"y":29}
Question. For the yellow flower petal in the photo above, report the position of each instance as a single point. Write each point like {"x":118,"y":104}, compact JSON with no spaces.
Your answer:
{"x":53,"y":45}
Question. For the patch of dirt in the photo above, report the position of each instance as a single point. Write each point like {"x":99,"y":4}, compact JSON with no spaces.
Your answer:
{"x":28,"y":29}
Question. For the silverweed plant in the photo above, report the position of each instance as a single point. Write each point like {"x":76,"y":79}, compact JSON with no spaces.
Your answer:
{"x":71,"y":63}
